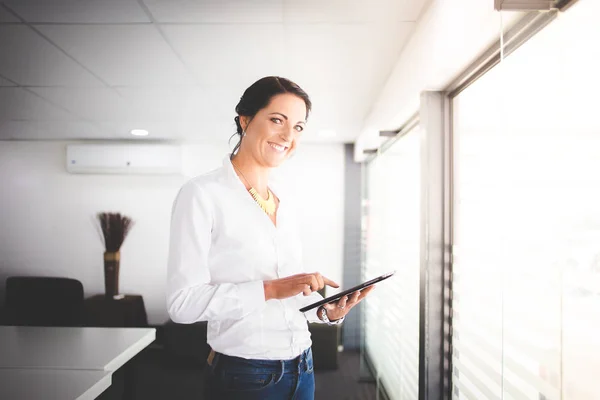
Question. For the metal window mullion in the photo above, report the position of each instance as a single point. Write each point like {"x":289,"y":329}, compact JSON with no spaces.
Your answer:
{"x":434,"y":361}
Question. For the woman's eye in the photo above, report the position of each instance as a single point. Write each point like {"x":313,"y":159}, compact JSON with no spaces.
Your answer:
{"x":276,"y":120}
{"x":299,"y":128}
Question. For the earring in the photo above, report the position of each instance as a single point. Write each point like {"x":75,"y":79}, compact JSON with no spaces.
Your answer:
{"x":243,"y":133}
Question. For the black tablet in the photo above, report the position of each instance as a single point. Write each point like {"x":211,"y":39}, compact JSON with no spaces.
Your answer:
{"x":338,"y":296}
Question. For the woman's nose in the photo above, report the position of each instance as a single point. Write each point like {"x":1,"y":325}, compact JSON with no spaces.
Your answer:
{"x":287,"y":134}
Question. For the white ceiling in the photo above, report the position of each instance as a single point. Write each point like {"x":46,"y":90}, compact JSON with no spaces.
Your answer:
{"x":73,"y":69}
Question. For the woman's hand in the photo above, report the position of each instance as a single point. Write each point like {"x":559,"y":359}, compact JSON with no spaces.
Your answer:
{"x":339,"y":310}
{"x":296,"y":284}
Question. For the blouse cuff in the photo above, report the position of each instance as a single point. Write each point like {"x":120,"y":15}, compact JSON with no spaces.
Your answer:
{"x":337,"y":321}
{"x":312,"y":317}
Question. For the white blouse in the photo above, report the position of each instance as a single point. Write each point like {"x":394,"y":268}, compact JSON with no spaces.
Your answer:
{"x":222,"y":248}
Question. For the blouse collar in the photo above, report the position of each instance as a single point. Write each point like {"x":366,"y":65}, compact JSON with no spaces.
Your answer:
{"x":233,"y":177}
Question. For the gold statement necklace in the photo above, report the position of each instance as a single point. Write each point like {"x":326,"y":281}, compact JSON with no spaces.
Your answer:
{"x":267,"y":205}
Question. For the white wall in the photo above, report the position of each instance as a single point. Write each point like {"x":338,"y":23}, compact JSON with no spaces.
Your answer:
{"x":316,"y":176}
{"x":47,"y":215}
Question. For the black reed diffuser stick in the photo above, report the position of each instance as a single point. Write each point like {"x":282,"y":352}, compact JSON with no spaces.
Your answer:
{"x":115,"y":228}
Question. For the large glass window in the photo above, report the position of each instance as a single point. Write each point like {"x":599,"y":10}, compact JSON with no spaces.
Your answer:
{"x":392,"y":243}
{"x":526,"y":275}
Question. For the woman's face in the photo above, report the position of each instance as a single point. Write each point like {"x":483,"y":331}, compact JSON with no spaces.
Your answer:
{"x":273,"y":134}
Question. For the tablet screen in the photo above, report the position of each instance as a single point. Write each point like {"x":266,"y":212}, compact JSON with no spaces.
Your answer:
{"x":338,"y":296}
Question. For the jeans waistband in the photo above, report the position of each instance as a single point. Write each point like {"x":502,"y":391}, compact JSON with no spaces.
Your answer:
{"x":243,"y":364}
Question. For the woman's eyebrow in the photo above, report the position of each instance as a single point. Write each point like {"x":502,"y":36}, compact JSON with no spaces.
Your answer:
{"x":285,"y":117}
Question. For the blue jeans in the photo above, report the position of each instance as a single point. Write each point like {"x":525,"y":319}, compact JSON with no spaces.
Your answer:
{"x":233,"y":378}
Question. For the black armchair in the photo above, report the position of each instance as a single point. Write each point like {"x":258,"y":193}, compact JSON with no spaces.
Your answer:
{"x":43,"y":301}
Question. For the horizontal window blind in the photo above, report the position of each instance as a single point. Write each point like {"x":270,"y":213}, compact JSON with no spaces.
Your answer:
{"x":392,"y":313}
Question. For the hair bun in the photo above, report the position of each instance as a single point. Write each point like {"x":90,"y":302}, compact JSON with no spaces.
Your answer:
{"x":238,"y":125}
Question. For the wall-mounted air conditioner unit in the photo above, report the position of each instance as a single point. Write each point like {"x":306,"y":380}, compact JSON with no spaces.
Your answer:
{"x":524,"y":5}
{"x":124,"y":159}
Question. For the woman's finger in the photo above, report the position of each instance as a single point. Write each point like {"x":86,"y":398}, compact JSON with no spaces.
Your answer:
{"x":361,"y":297}
{"x":365,"y":292}
{"x":342,"y":302}
{"x":331,"y":283}
{"x":313,"y":282}
{"x":320,"y":280}
{"x":306,"y":290}
{"x":352,"y":299}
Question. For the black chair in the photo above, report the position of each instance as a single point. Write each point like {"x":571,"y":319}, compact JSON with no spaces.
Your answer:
{"x":43,"y":301}
{"x":325,"y":342}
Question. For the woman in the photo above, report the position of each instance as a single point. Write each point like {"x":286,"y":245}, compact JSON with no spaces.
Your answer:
{"x":235,"y":258}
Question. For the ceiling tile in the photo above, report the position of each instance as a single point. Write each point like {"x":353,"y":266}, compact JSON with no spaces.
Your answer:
{"x":351,"y":11}
{"x":4,"y":82}
{"x":77,"y":11}
{"x":5,"y":16}
{"x":319,"y":11}
{"x":343,"y":53}
{"x":180,"y":111}
{"x":121,"y":55}
{"x":190,"y":131}
{"x":232,"y":54}
{"x":51,"y":130}
{"x":28,"y":59}
{"x":393,"y":10}
{"x":216,"y":11}
{"x":338,"y":53}
{"x":174,"y":103}
{"x":88,"y":103}
{"x":18,"y":104}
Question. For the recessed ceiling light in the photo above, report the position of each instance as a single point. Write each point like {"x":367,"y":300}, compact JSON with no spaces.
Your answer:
{"x":327,"y":133}
{"x":139,"y":132}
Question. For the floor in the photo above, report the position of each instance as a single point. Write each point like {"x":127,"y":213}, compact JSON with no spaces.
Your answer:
{"x":343,"y":383}
{"x":156,"y":379}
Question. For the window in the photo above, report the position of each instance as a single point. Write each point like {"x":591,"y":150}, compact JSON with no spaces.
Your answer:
{"x":526,"y":273}
{"x":392,"y":243}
